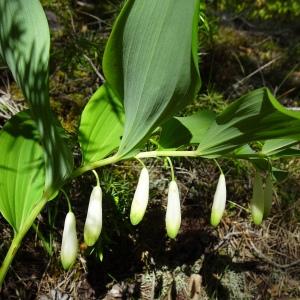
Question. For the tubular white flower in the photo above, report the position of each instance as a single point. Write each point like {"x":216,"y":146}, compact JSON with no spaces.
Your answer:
{"x":257,"y":201}
{"x":173,"y":215}
{"x":93,"y":222}
{"x":140,"y":199}
{"x":219,"y":202}
{"x":268,"y":196}
{"x":69,"y":245}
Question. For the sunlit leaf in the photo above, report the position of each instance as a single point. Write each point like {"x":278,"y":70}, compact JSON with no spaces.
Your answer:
{"x":24,"y":45}
{"x":101,"y":125}
{"x":244,"y":150}
{"x":255,"y":116}
{"x":22,"y":175}
{"x":156,"y":73}
{"x":180,"y":131}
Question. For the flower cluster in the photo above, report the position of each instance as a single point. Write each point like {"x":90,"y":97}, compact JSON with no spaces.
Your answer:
{"x":92,"y":229}
{"x":140,"y":202}
{"x":260,"y":205}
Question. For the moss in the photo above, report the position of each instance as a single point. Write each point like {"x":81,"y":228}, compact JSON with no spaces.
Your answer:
{"x":235,"y":284}
{"x":16,"y":92}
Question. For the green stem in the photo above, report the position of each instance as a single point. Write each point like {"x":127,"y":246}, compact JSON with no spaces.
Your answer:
{"x":219,"y":167}
{"x":153,"y":154}
{"x":97,"y":177}
{"x":171,"y":167}
{"x":46,"y":244}
{"x":95,"y":165}
{"x":167,"y":153}
{"x":17,"y":240}
{"x":141,"y":162}
{"x":68,"y":200}
{"x":115,"y":159}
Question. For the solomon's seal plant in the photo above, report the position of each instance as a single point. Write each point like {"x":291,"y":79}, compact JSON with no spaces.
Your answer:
{"x":93,"y":222}
{"x":257,"y":201}
{"x":219,"y":202}
{"x":69,"y":245}
{"x":140,"y":199}
{"x":173,"y":214}
{"x":151,"y":71}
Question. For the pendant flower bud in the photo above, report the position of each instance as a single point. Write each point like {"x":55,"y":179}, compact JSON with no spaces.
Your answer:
{"x":219,"y":203}
{"x":69,"y":245}
{"x":93,"y":222}
{"x":257,"y":201}
{"x":173,"y":215}
{"x":140,"y":199}
{"x":268,"y":196}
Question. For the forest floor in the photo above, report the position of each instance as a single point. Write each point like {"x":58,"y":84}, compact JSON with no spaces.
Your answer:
{"x":237,"y":260}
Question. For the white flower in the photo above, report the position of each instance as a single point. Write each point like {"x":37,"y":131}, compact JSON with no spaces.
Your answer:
{"x":69,"y":245}
{"x":140,"y":199}
{"x":219,"y":203}
{"x":173,"y":215}
{"x":93,"y":222}
{"x":268,"y":196}
{"x":257,"y":201}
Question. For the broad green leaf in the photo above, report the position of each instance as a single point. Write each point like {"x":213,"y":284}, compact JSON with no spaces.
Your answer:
{"x":286,"y":153}
{"x":22,"y":175}
{"x":272,"y":147}
{"x":262,"y":164}
{"x":24,"y":45}
{"x":101,"y":125}
{"x":180,"y":131}
{"x":244,"y":150}
{"x":156,"y":73}
{"x":255,"y":116}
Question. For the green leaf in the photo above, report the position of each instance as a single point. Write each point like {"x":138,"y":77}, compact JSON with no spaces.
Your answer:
{"x":151,"y":62}
{"x":101,"y":125}
{"x":244,"y":150}
{"x":24,"y":45}
{"x":22,"y":175}
{"x":279,"y":174}
{"x":286,"y":153}
{"x":180,"y":131}
{"x":276,"y":146}
{"x":255,"y":116}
